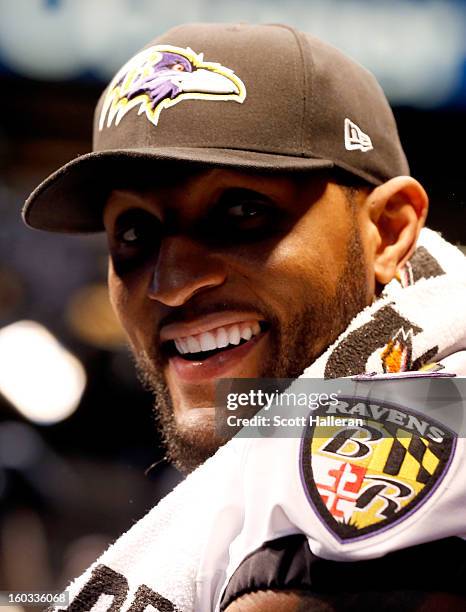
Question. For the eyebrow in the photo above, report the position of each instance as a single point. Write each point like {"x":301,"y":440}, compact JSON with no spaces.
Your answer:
{"x":130,"y":203}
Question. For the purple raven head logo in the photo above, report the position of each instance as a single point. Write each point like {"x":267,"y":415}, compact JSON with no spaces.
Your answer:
{"x":163,"y":75}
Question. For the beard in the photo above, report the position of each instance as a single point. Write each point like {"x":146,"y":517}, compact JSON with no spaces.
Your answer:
{"x":293,"y":349}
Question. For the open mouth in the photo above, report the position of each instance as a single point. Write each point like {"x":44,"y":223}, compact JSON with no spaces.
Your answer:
{"x":201,"y":347}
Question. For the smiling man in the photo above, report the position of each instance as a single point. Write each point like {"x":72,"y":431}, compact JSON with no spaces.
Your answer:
{"x":262,"y":222}
{"x":213,"y":275}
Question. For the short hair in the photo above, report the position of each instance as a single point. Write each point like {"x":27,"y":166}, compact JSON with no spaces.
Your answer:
{"x":352,"y":185}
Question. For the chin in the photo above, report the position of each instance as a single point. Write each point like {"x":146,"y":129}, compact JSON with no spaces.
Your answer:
{"x":194,"y":442}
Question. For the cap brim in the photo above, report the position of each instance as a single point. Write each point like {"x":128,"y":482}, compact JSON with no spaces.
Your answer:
{"x":71,"y":199}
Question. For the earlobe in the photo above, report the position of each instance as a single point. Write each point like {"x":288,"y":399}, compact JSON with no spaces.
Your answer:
{"x":398,"y":210}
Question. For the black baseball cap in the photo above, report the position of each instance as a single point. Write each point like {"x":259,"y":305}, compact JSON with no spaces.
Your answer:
{"x":265,"y":98}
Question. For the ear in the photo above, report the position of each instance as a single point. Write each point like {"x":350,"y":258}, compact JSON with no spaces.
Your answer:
{"x":397,"y":210}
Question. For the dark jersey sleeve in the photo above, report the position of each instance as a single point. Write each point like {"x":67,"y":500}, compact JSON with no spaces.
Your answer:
{"x":406,"y":579}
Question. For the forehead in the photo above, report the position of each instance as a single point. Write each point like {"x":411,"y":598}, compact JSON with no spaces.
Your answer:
{"x":189,"y":189}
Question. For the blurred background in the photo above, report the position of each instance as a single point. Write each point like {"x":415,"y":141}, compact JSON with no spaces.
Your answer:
{"x":76,"y":433}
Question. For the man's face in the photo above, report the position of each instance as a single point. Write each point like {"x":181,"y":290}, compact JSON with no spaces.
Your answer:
{"x":225,"y":274}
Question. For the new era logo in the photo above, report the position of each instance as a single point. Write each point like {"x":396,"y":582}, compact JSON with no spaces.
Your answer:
{"x":355,"y":138}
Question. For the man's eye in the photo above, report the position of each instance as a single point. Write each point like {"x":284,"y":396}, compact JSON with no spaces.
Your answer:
{"x":245,"y":210}
{"x":130,"y":235}
{"x":137,"y":229}
{"x":241,"y":218}
{"x":243,"y":215}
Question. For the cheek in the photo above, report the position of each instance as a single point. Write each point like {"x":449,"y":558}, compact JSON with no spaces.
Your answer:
{"x":305,"y":265}
{"x":126,"y":297}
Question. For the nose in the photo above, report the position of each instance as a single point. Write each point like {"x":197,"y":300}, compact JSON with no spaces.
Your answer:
{"x":184,"y":267}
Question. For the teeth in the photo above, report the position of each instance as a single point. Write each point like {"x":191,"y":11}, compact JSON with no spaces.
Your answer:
{"x":222,"y":337}
{"x":246,"y":332}
{"x":234,"y":335}
{"x":180,"y":346}
{"x":218,"y":338}
{"x":207,"y":341}
{"x":194,"y":345}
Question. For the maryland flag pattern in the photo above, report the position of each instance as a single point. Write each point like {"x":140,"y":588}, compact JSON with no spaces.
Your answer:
{"x":371,"y":473}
